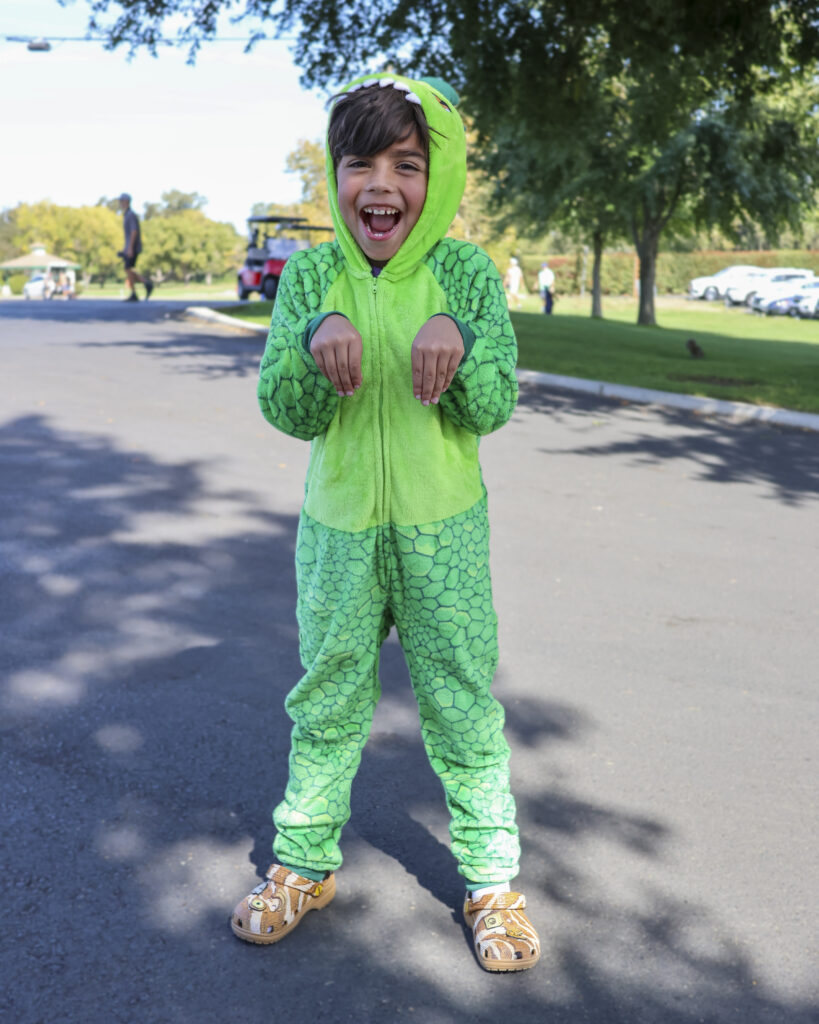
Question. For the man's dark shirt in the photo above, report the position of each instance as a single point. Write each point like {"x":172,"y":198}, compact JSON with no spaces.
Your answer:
{"x":130,"y":222}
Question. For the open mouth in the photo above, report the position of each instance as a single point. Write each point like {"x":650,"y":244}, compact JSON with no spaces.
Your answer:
{"x":380,"y":222}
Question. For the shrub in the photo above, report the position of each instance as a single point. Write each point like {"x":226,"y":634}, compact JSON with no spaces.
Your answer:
{"x":16,"y":282}
{"x":674,"y":269}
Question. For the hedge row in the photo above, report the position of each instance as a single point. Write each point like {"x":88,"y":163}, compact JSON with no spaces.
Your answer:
{"x":674,"y":269}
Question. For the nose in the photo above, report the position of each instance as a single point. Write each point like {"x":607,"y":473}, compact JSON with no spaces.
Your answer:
{"x":380,"y":179}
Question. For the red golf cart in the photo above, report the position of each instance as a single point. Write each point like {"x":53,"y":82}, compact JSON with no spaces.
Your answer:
{"x":268,"y":251}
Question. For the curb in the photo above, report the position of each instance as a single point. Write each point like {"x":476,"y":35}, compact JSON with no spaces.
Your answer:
{"x":206,"y":313}
{"x":644,"y":396}
{"x":692,"y":403}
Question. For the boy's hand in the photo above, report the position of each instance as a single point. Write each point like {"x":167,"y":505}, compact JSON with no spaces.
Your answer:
{"x":336,"y":348}
{"x":436,"y":352}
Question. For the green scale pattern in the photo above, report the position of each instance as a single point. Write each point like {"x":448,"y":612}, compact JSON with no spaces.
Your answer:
{"x":432,"y":582}
{"x":484,"y":391}
{"x":294,"y":396}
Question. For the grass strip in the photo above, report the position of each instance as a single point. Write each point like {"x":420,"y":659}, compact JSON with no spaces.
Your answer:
{"x":761,"y":360}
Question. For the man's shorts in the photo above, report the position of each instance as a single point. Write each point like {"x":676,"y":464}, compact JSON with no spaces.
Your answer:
{"x":130,"y":261}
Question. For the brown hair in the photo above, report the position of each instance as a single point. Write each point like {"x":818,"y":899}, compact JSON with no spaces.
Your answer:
{"x":371,"y":119}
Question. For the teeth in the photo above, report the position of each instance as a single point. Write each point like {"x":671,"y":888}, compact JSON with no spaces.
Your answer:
{"x":380,"y":209}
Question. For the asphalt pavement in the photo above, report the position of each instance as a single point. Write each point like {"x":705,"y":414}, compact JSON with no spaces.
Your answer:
{"x":655,"y":575}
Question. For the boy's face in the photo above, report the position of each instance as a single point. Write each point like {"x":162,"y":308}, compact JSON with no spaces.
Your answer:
{"x":381,"y":197}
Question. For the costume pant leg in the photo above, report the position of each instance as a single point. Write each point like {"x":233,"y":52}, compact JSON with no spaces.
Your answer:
{"x":342,"y":623}
{"x":442,"y":605}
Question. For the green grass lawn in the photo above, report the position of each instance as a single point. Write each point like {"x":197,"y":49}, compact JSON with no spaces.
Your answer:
{"x":763,"y":360}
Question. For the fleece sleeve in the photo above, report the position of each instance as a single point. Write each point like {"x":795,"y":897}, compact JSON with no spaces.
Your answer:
{"x":294,"y":395}
{"x":484,"y":390}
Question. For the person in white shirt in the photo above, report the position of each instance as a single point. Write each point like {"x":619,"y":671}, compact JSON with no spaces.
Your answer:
{"x":512,"y":282}
{"x":545,"y":283}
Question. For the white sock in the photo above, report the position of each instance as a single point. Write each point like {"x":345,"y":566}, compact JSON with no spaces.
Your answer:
{"x":501,"y":887}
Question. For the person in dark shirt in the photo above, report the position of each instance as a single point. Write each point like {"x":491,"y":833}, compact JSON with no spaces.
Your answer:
{"x":132,"y":249}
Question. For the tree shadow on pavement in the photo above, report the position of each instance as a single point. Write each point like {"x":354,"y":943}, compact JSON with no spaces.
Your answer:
{"x":206,"y":352}
{"x":782,"y":459}
{"x":148,"y":646}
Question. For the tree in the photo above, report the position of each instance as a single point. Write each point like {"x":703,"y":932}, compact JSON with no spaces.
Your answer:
{"x":88,"y":235}
{"x":693,"y":94}
{"x":186,"y":245}
{"x":8,"y":229}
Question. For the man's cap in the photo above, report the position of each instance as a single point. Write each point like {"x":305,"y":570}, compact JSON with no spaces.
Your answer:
{"x":124,"y":196}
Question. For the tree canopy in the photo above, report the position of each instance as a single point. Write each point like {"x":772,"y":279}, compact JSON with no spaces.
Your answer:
{"x":621,"y":119}
{"x":180,"y":244}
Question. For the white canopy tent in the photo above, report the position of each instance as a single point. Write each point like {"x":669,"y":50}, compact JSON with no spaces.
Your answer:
{"x":39,"y":259}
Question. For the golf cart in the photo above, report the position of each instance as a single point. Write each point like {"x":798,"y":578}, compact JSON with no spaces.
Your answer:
{"x":268,"y":251}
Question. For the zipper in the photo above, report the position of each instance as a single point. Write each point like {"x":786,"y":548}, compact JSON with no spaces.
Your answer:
{"x":379,"y":363}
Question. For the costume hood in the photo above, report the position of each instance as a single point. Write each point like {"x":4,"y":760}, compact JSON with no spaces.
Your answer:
{"x":447,"y":175}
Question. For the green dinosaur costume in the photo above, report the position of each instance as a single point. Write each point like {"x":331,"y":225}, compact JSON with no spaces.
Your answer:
{"x":394,"y":527}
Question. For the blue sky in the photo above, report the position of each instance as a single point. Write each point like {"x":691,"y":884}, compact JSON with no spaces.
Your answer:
{"x":79,"y":122}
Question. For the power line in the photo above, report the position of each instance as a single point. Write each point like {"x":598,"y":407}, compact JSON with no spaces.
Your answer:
{"x":43,"y":43}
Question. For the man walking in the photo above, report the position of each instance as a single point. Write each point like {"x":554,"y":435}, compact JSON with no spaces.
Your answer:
{"x":132,"y":249}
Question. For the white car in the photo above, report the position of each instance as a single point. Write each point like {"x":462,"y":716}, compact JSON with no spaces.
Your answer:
{"x":807,"y":308}
{"x":740,"y":291}
{"x":788,"y":304}
{"x":34,"y":288}
{"x":715,"y":286}
{"x":786,"y":281}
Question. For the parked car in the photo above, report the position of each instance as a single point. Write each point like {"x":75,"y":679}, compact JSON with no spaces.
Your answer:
{"x":267,"y":255}
{"x":741,"y":290}
{"x":715,"y":285}
{"x":807,"y":308}
{"x":785,"y":282}
{"x":788,"y":305}
{"x":34,"y":288}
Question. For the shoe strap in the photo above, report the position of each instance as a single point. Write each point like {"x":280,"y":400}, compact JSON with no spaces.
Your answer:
{"x":497,"y":901}
{"x":281,"y":876}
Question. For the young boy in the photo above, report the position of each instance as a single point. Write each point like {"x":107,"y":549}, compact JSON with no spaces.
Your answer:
{"x":392,"y":351}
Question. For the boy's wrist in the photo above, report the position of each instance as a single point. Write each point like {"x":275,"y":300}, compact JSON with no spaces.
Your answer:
{"x":466,"y":332}
{"x":314,"y":325}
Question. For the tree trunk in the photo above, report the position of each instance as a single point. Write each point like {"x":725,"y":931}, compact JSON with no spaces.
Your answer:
{"x":584,"y":270}
{"x":597,"y":293}
{"x":647,"y":245}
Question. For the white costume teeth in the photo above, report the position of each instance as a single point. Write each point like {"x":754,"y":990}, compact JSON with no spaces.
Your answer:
{"x":382,"y":83}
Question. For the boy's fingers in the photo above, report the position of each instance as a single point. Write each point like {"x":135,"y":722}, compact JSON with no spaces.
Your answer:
{"x":441,"y":370}
{"x":454,"y":363}
{"x":343,"y":369}
{"x":429,"y":377}
{"x":318,"y":357}
{"x":330,"y":369}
